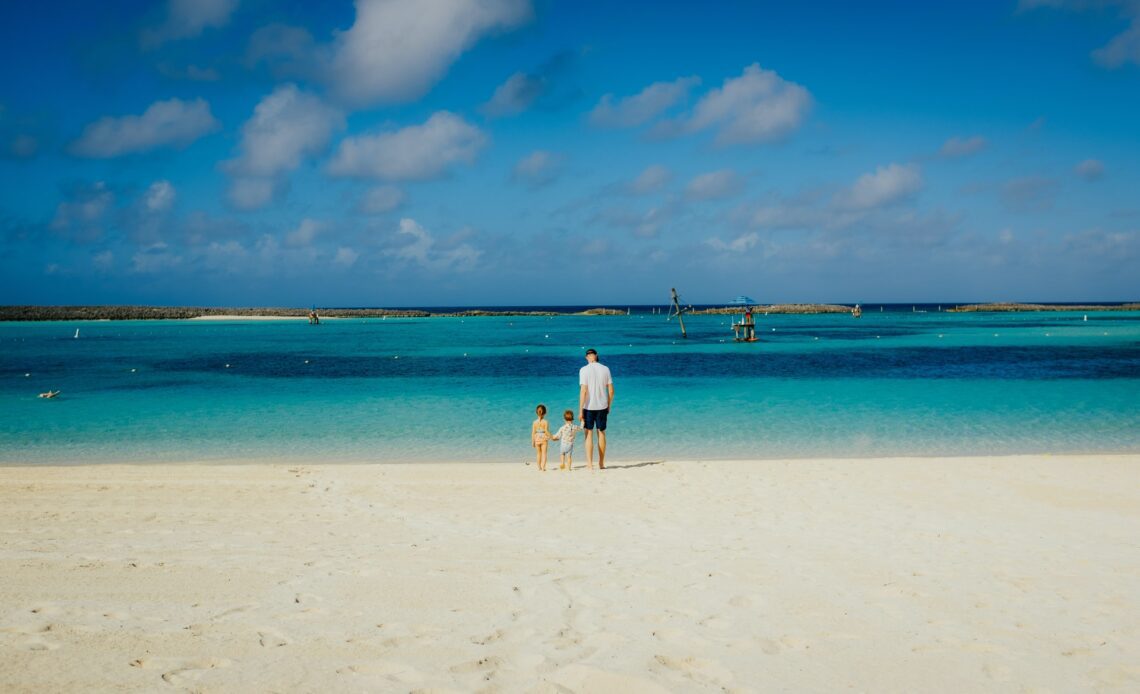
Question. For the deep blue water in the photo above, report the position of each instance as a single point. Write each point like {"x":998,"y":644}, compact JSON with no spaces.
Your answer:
{"x":891,"y":383}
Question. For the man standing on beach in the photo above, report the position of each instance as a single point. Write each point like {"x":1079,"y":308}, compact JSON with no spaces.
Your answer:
{"x":594,"y":401}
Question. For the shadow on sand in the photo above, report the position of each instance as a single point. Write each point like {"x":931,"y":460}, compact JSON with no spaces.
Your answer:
{"x":633,"y":465}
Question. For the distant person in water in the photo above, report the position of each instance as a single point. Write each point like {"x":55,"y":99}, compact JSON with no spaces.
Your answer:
{"x":595,"y":398}
{"x":540,"y":436}
{"x":49,"y":394}
{"x":565,"y":437}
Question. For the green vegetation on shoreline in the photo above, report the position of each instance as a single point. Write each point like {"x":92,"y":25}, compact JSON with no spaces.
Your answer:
{"x":50,"y":313}
{"x":1004,"y":307}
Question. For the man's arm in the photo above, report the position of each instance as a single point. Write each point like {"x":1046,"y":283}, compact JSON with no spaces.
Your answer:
{"x":583,"y":396}
{"x":610,"y":390}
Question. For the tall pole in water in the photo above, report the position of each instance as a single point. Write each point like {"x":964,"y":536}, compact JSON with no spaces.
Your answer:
{"x":680,"y":313}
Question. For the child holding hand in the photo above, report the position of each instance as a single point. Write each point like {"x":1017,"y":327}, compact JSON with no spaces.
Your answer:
{"x":565,"y":437}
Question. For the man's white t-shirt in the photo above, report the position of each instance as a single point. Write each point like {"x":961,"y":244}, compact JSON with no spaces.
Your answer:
{"x":596,"y":378}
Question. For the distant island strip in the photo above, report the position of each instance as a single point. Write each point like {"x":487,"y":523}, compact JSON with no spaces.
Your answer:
{"x":51,"y":313}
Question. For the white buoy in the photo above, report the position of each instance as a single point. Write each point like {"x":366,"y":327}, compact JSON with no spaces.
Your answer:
{"x":227,"y":366}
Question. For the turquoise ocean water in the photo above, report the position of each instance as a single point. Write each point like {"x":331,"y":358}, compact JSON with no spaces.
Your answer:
{"x":450,"y":389}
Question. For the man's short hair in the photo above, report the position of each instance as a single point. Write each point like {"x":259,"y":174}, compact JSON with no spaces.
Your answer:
{"x":592,"y":351}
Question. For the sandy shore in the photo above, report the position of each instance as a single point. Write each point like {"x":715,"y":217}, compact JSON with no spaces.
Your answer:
{"x":900,"y":575}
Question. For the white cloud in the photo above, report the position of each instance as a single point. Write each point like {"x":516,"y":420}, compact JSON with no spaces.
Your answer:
{"x":758,"y":106}
{"x":286,"y":126}
{"x":1123,"y":48}
{"x":187,"y":19}
{"x":1090,"y":169}
{"x":251,"y":193}
{"x":421,"y":248}
{"x":514,"y":96}
{"x":172,"y":122}
{"x":154,"y":258}
{"x":83,"y":214}
{"x":417,"y":152}
{"x":345,"y":256}
{"x":886,"y":185}
{"x":643,"y":106}
{"x":713,"y":185}
{"x":304,"y":234}
{"x":538,"y":168}
{"x":147,"y":216}
{"x":652,"y":178}
{"x":160,"y":196}
{"x":103,"y":261}
{"x":962,"y":146}
{"x":741,"y":243}
{"x":381,"y":199}
{"x":397,"y":49}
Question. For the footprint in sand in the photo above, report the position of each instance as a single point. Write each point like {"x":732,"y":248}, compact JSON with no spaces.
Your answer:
{"x":271,"y":638}
{"x":698,"y":669}
{"x":181,"y":672}
{"x":491,"y":663}
{"x":233,"y":610}
{"x":398,"y":672}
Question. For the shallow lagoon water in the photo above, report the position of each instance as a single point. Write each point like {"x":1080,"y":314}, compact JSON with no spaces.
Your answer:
{"x":464,"y":389}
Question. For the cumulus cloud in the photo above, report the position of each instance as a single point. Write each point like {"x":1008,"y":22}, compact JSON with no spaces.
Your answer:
{"x":419,"y":247}
{"x":345,"y":256}
{"x":82,"y":215}
{"x":651,"y":179}
{"x":149,"y":213}
{"x":962,"y":146}
{"x":397,"y":49}
{"x":713,"y":185}
{"x":170,"y":123}
{"x":103,"y":261}
{"x":286,"y":127}
{"x":537,"y":169}
{"x":417,"y":152}
{"x":1123,"y":48}
{"x":1090,"y":169}
{"x":884,"y":186}
{"x":159,"y":196}
{"x":381,"y":199}
{"x":514,"y":96}
{"x":304,"y":234}
{"x":252,"y":193}
{"x":642,"y":224}
{"x":740,"y":244}
{"x":759,"y":106}
{"x":187,"y":19}
{"x":642,"y":107}
{"x":155,"y":258}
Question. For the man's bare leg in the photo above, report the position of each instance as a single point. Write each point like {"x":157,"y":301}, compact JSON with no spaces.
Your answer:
{"x":590,"y":449}
{"x":601,"y":450}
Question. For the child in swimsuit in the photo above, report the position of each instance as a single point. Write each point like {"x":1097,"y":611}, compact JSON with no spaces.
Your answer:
{"x":566,"y":436}
{"x":540,"y":436}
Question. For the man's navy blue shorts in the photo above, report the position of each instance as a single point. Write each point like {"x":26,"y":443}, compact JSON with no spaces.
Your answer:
{"x":595,"y":419}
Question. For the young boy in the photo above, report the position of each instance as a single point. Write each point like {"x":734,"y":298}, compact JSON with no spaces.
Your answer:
{"x":566,"y":436}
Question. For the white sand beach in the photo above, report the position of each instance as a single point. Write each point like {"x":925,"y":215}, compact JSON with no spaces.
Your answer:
{"x":1014,"y":574}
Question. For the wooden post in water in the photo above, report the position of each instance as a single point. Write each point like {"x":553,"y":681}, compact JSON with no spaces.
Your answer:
{"x":680,"y":313}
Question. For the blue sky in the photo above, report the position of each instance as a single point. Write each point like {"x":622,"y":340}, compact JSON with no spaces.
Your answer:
{"x":492,"y":152}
